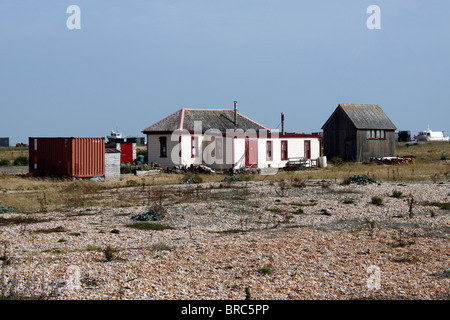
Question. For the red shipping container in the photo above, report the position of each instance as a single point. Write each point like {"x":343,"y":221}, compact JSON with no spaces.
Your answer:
{"x":71,"y":157}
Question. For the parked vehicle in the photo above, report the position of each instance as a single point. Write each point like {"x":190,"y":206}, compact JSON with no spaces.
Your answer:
{"x":428,"y":135}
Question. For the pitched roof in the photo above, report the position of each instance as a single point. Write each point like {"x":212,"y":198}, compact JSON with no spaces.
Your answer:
{"x":218,"y":119}
{"x":365,"y":116}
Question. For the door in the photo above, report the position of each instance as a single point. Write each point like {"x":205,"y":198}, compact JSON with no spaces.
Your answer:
{"x":251,"y":153}
{"x":126,"y":152}
{"x":349,"y":150}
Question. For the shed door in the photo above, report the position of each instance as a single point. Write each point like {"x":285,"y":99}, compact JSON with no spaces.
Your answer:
{"x":251,"y":153}
{"x":349,"y":150}
{"x":126,"y":152}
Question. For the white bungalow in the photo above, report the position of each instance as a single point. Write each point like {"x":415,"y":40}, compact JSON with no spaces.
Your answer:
{"x":225,"y":139}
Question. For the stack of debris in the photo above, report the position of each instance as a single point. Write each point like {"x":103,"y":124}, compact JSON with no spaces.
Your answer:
{"x":393,"y":160}
{"x":194,"y":168}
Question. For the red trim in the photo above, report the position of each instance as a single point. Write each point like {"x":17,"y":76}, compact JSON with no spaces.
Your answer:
{"x":320,"y":147}
{"x":271,"y":150}
{"x":252,"y":121}
{"x":181,"y":122}
{"x":284,"y":141}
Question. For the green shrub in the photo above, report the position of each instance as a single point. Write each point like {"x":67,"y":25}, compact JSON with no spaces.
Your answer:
{"x":299,"y":211}
{"x":131,"y":183}
{"x":4,"y":163}
{"x":267,"y":269}
{"x":191,"y":179}
{"x":377,"y":201}
{"x":155,"y":213}
{"x":361,"y":179}
{"x":21,"y":161}
{"x":7,"y":209}
{"x":231,"y":179}
{"x":349,"y":201}
{"x":109,"y":253}
{"x":336,"y":161}
{"x":443,"y":157}
{"x":396,"y":194}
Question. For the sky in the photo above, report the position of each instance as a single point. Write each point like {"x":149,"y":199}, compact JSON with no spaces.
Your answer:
{"x":132,"y":63}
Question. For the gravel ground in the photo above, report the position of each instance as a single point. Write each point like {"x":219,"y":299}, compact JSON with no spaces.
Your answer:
{"x":257,"y":243}
{"x":14,"y":170}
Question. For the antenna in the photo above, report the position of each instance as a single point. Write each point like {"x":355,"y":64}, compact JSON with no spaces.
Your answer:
{"x":235,"y":113}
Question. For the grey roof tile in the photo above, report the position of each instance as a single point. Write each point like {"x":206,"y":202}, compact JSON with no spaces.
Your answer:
{"x":219,"y":119}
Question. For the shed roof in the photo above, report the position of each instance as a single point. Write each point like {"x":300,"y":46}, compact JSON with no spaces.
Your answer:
{"x":218,"y":119}
{"x":111,"y":150}
{"x":365,"y":116}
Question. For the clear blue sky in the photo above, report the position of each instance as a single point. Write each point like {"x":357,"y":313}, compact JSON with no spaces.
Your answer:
{"x":134,"y":62}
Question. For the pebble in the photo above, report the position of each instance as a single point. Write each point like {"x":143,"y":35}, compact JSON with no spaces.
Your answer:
{"x":313,"y":256}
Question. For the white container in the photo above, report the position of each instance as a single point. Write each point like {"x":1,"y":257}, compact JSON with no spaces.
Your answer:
{"x":323,"y":162}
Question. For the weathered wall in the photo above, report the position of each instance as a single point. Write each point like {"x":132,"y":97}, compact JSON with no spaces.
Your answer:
{"x":376,"y":148}
{"x":335,"y":134}
{"x":112,"y":165}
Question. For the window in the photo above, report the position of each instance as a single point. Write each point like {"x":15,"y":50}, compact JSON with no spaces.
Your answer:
{"x":163,"y":147}
{"x":284,"y":150}
{"x":219,"y":147}
{"x":269,"y":151}
{"x":194,"y":147}
{"x":307,"y":149}
{"x":376,"y":134}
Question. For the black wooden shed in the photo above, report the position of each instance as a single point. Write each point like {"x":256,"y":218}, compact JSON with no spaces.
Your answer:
{"x":357,"y":132}
{"x":4,"y":142}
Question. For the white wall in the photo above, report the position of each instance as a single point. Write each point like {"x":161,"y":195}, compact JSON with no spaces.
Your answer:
{"x":233,"y":151}
{"x":112,"y":165}
{"x":296,"y":148}
{"x":153,"y":148}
